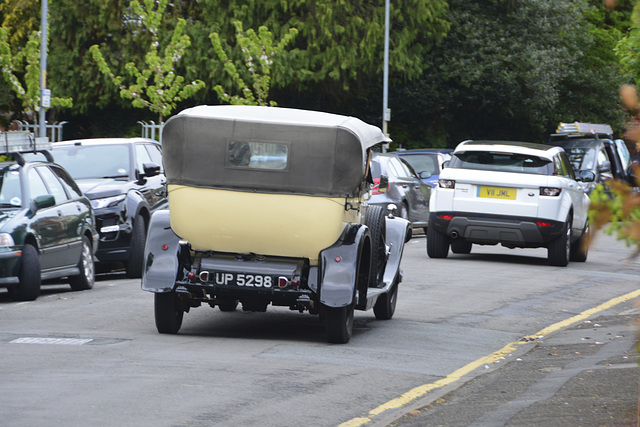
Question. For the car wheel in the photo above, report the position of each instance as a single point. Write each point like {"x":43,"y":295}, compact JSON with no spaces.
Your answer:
{"x":87,"y":276}
{"x":437,"y":243}
{"x":133,"y":266}
{"x":461,"y":246}
{"x":338,"y":323}
{"x":386,"y":304}
{"x":228,"y":304}
{"x":28,"y":288}
{"x":168,"y":312}
{"x":560,"y":248}
{"x":580,"y":248}
{"x":375,"y":220}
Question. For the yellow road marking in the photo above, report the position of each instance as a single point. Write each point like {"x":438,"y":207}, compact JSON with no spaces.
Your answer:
{"x":420,"y":391}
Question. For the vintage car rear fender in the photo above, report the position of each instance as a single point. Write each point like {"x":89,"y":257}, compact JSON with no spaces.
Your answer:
{"x":339,"y":266}
{"x":160,"y":255}
{"x":397,"y":229}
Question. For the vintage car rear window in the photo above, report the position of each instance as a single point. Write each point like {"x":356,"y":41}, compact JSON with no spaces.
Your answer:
{"x":258,"y":155}
{"x":502,"y":162}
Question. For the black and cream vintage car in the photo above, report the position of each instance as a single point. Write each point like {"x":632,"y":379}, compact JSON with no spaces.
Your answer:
{"x":267,"y":206}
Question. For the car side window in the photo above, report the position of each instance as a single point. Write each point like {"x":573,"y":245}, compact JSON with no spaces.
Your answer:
{"x":563,"y":166}
{"x":69,"y":184}
{"x":142,"y":157}
{"x":394,"y":166}
{"x":54,"y":185}
{"x":36,"y":184}
{"x":602,"y":157}
{"x":155,"y":153}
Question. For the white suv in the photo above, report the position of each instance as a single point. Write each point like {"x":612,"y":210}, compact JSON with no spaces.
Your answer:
{"x":514,"y":193}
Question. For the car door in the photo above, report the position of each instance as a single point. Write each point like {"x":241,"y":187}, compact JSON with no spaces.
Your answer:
{"x":418,"y":192}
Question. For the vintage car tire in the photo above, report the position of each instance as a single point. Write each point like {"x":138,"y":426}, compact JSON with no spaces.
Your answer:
{"x":437,"y":243}
{"x":385,"y":307}
{"x":168,"y":312}
{"x":133,"y":266}
{"x":29,"y":287}
{"x":559,"y":249}
{"x":375,"y":220}
{"x":338,"y":323}
{"x":228,"y":305}
{"x":86,"y":279}
{"x":461,"y":246}
{"x":580,"y":248}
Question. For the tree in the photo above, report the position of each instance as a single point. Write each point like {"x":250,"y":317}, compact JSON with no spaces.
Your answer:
{"x":27,"y":58}
{"x":157,"y":87}
{"x":259,"y":53}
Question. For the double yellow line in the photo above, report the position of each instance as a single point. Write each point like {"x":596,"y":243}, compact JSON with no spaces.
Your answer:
{"x":420,"y":391}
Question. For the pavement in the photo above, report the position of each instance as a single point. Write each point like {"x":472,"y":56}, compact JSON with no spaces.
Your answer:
{"x":586,"y":374}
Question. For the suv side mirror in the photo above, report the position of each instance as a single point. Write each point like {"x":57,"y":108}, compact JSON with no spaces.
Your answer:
{"x":42,"y":202}
{"x":425,"y":174}
{"x":587,"y":176}
{"x":151,"y":169}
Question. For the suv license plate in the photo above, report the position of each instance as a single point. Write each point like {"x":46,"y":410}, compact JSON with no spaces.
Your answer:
{"x":497,"y":192}
{"x":243,"y":280}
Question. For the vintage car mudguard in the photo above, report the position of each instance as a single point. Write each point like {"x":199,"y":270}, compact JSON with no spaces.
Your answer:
{"x":397,"y":229}
{"x":339,"y":265}
{"x":160,"y":255}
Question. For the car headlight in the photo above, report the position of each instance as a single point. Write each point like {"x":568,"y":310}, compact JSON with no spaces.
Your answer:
{"x":107,"y":202}
{"x":6,"y":240}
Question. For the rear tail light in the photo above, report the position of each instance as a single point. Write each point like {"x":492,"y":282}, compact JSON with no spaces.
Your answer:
{"x":543,"y":224}
{"x":550,"y":191}
{"x":448,"y":217}
{"x":376,"y":186}
{"x":447,"y":183}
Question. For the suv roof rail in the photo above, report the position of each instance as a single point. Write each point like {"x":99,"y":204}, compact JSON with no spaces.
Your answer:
{"x":16,"y":142}
{"x":579,"y":128}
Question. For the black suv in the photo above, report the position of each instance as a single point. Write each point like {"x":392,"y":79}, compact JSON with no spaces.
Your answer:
{"x":592,"y":148}
{"x":124,"y":179}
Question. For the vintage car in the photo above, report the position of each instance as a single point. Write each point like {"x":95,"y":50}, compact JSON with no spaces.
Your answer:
{"x":267,"y":205}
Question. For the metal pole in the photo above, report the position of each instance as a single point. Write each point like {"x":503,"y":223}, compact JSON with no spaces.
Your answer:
{"x":386,"y":112}
{"x":43,"y":65}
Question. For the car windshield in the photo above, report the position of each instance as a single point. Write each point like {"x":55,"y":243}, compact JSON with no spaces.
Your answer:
{"x":94,"y":161}
{"x":581,"y":158}
{"x":10,"y":191}
{"x":423,"y":163}
{"x":502,"y":162}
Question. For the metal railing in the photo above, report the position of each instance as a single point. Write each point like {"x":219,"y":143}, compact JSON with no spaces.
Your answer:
{"x":54,"y":130}
{"x":150,"y":128}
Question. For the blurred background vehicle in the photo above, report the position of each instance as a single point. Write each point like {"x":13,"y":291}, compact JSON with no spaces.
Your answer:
{"x":427,"y":162}
{"x":405,"y":189}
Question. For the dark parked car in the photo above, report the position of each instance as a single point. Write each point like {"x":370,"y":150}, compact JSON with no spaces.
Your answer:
{"x":124,"y":179}
{"x":47,"y":226}
{"x":591,"y":147}
{"x":427,"y":162}
{"x":404,"y":189}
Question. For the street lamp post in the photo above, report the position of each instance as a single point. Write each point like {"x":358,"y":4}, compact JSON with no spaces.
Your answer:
{"x":44,"y":93}
{"x":386,"y":112}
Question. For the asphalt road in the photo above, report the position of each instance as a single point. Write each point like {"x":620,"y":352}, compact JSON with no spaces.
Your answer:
{"x":95,"y":358}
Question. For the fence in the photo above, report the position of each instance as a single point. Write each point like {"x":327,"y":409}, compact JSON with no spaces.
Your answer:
{"x":53,"y":131}
{"x":149,"y":130}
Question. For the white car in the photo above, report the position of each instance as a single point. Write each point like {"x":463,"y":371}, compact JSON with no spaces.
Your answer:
{"x":516,"y":194}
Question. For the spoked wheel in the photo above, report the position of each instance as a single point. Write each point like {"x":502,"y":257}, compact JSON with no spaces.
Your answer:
{"x":386,"y":304}
{"x":437,"y":243}
{"x":133,"y":266}
{"x":374,"y":219}
{"x":559,"y":250}
{"x":461,"y":247}
{"x":168,"y":312}
{"x":338,"y":323}
{"x":87,"y":276}
{"x":28,"y":288}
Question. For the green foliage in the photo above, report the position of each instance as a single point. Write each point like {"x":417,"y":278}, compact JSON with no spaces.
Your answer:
{"x":26,"y":59}
{"x":616,"y":209}
{"x":157,"y":87}
{"x":259,"y":54}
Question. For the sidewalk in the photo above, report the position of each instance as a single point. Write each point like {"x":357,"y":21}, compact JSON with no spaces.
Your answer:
{"x":585,"y":375}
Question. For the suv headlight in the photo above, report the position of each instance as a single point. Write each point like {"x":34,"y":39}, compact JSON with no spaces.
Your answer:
{"x":107,"y":202}
{"x":6,"y":240}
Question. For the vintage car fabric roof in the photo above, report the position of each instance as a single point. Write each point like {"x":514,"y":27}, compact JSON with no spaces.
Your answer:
{"x":326,"y":152}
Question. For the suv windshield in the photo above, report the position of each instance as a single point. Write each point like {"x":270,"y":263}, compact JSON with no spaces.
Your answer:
{"x":97,"y":161}
{"x":10,"y":192}
{"x":501,"y":162}
{"x":581,"y":158}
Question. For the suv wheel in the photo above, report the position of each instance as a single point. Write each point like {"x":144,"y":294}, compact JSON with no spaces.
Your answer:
{"x":138,"y":235}
{"x":559,"y":249}
{"x":29,"y":287}
{"x":437,"y":243}
{"x":86,"y":278}
{"x":580,"y":247}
